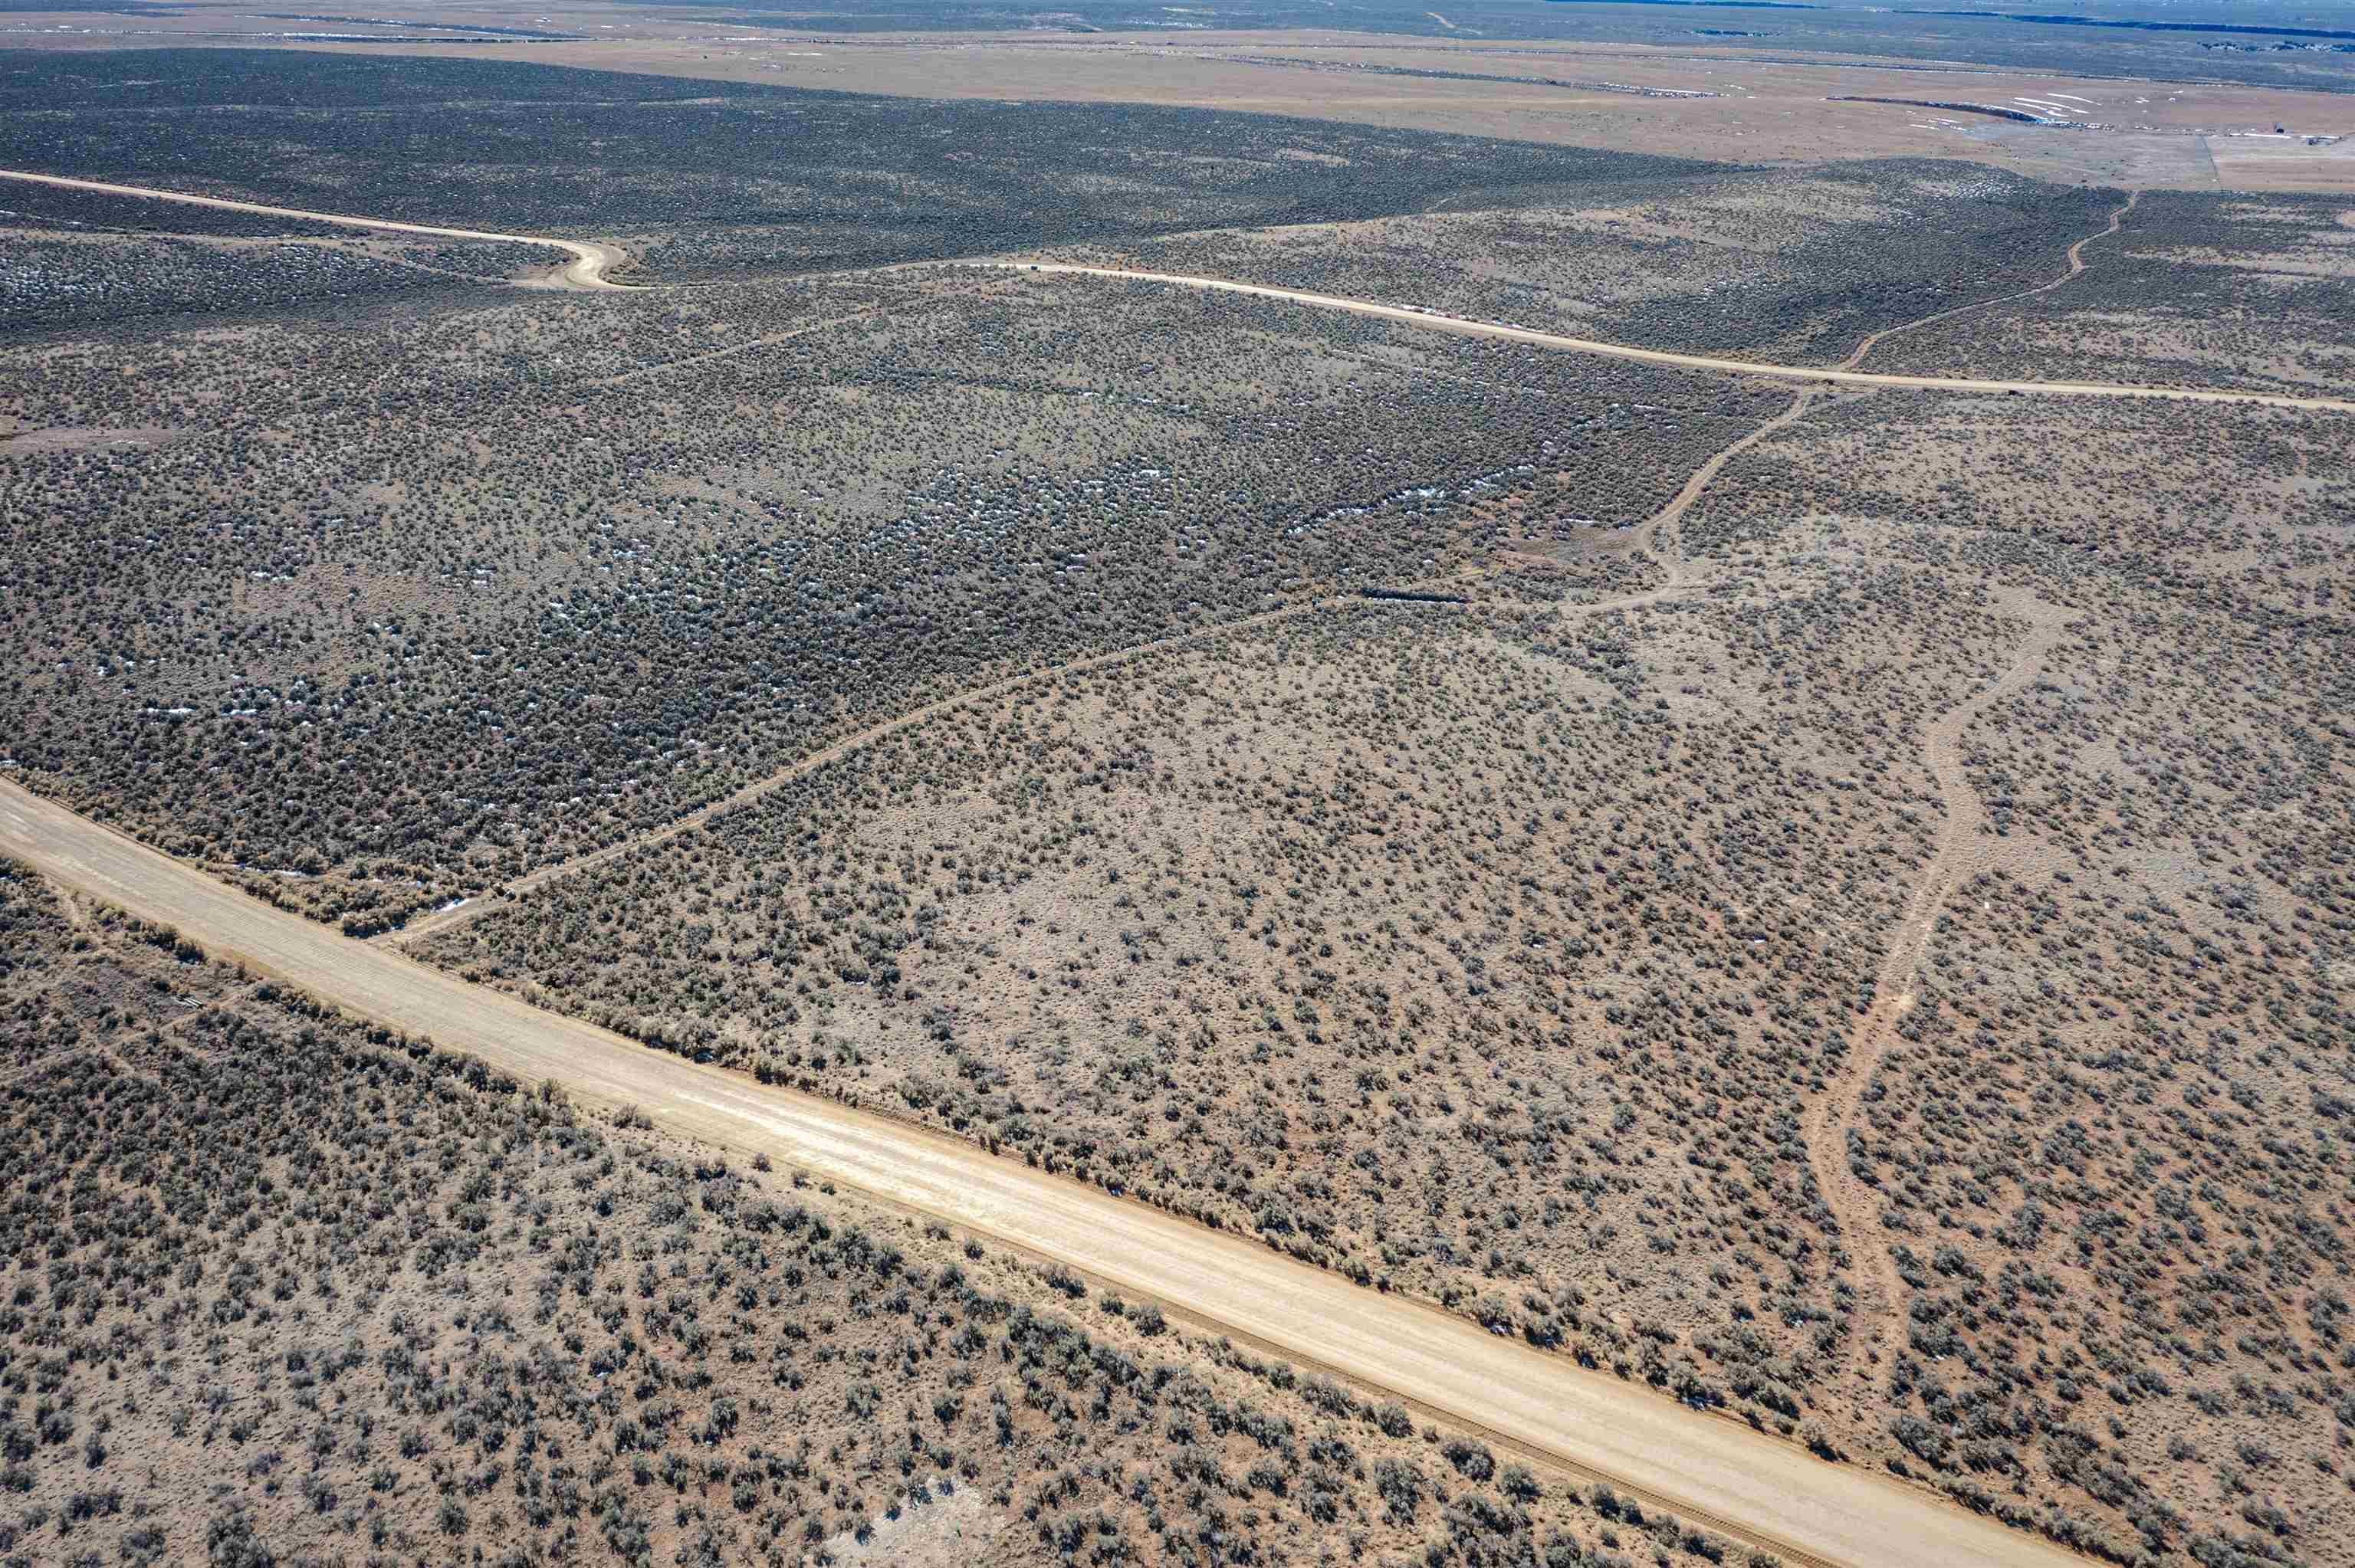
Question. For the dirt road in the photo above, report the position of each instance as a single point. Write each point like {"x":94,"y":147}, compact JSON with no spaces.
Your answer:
{"x":1961,"y":851}
{"x":2076,"y":265}
{"x":1815,"y":373}
{"x":586,"y":270}
{"x":441,"y":920}
{"x":1705,"y":1469}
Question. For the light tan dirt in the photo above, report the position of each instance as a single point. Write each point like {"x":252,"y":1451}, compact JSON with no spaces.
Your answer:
{"x":1713,"y":1471}
{"x":585,"y":271}
{"x":1958,"y":857}
{"x":1688,"y":361}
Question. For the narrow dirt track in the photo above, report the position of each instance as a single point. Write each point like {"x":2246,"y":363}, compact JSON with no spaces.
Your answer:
{"x":1708,"y":1470}
{"x":2076,"y":265}
{"x":586,"y":270}
{"x":1817,"y":373}
{"x":1667,"y":518}
{"x":443,"y":920}
{"x":474,"y":909}
{"x":1958,"y":853}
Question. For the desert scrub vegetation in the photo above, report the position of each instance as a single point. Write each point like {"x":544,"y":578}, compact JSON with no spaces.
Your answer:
{"x":1487,"y":953}
{"x":2105,"y":1153}
{"x":1280,"y":931}
{"x":1785,"y":264}
{"x":2196,"y":289}
{"x":479,"y":586}
{"x":714,"y":179}
{"x":53,"y":278}
{"x":281,"y":1289}
{"x":2260,"y":497}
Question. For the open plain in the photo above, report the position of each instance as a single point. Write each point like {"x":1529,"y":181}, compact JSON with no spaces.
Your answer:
{"x":1536,"y":785}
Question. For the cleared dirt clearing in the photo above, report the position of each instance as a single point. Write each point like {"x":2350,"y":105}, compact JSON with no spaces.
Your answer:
{"x":1706,"y":1469}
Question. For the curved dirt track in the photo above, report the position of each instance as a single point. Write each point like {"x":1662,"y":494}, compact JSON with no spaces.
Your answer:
{"x":2076,"y":265}
{"x":591,"y":262}
{"x":1816,"y":373}
{"x":1958,"y":855}
{"x":441,"y":920}
{"x":586,"y":270}
{"x":1707,"y":1470}
{"x":444,"y":919}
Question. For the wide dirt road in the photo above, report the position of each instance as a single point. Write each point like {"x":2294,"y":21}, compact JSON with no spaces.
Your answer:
{"x":1685,"y":361}
{"x":1706,"y":1469}
{"x":586,"y":270}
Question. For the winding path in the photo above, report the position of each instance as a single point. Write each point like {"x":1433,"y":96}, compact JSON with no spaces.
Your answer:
{"x":591,"y":261}
{"x":1827,"y":1127}
{"x":2076,"y":265}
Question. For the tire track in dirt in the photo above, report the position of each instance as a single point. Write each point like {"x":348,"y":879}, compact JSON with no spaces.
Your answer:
{"x":474,"y":908}
{"x":1673,"y":560}
{"x":2076,"y":265}
{"x":1828,"y":1125}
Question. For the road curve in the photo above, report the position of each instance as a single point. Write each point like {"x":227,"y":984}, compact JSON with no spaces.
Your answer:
{"x":1707,"y":1470}
{"x":591,"y":261}
{"x":586,"y":270}
{"x":1685,"y":361}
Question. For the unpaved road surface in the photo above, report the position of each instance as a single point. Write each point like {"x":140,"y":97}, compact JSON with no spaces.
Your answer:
{"x":1707,"y":1470}
{"x":586,"y":270}
{"x":1962,"y":852}
{"x":1685,"y":361}
{"x":591,"y":262}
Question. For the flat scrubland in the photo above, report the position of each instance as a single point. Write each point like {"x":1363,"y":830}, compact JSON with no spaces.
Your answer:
{"x":2195,"y":289}
{"x":478,"y":586}
{"x":1782,"y":265}
{"x":1867,"y":955}
{"x":76,"y":277}
{"x":281,"y":1289}
{"x":1507,"y":954}
{"x":710,"y":179}
{"x":685,"y":36}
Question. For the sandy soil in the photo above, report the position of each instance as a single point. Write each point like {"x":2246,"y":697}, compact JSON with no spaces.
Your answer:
{"x":1715,"y":1471}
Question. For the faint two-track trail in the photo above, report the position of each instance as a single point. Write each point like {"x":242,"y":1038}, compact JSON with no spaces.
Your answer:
{"x":1667,"y":520}
{"x":591,"y":261}
{"x":445,"y":919}
{"x":1829,"y":1126}
{"x":2076,"y":265}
